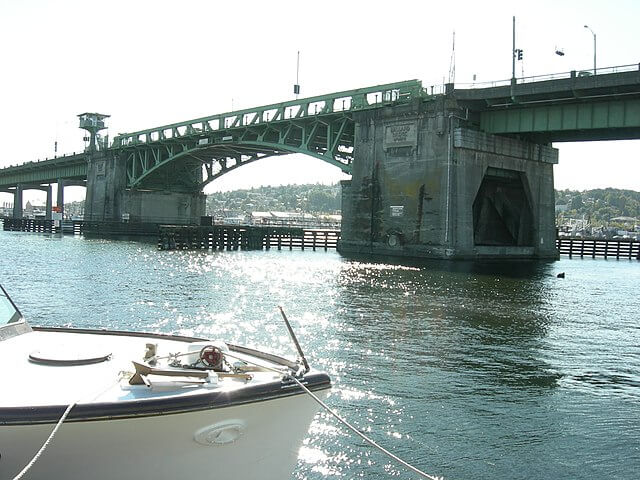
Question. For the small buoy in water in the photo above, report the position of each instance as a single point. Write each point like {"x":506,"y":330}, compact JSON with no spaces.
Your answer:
{"x":560,"y":275}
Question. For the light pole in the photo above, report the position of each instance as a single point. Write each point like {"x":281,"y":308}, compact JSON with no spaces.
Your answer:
{"x":594,"y":47}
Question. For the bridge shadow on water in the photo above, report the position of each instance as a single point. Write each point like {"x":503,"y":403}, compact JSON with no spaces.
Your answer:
{"x":508,"y":268}
{"x":487,"y":319}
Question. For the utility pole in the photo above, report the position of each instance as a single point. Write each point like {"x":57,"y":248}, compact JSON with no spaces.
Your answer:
{"x":296,"y":87}
{"x":513,"y":53}
{"x":594,"y":47}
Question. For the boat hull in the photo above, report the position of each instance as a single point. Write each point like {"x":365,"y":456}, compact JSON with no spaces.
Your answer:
{"x":253,"y":440}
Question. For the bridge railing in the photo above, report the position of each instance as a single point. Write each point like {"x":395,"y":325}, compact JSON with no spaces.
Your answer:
{"x":349,"y":100}
{"x":552,"y":76}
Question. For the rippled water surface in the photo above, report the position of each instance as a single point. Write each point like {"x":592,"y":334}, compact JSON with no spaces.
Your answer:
{"x":465,"y":370}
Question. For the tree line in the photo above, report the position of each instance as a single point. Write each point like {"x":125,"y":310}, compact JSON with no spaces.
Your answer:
{"x":309,"y":198}
{"x":599,"y":206}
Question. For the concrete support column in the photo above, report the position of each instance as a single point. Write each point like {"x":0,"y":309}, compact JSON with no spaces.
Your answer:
{"x":424,"y":184}
{"x":48,"y":208}
{"x":17,"y":202}
{"x":109,"y":199}
{"x":60,"y":196}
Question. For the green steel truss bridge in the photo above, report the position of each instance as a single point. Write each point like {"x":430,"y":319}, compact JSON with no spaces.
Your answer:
{"x":186,"y":156}
{"x":321,"y":127}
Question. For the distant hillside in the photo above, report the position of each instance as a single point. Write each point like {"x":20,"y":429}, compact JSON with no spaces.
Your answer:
{"x":599,"y":206}
{"x":306,"y":198}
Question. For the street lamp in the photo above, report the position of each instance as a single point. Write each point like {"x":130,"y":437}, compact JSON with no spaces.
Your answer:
{"x":594,"y":47}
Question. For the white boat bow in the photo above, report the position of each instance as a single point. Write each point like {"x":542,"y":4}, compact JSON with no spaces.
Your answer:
{"x":191,"y":406}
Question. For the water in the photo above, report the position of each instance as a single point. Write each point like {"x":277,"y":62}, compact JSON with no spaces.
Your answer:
{"x":465,"y":370}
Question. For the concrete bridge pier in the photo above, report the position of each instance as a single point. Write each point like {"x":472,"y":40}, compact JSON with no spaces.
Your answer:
{"x":49,"y":205}
{"x":502,"y":197}
{"x":17,"y":202}
{"x":109,"y":199}
{"x":427,"y":184}
{"x":60,"y":196}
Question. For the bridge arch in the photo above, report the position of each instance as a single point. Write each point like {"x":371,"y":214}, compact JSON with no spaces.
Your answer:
{"x":202,"y":163}
{"x":321,"y":126}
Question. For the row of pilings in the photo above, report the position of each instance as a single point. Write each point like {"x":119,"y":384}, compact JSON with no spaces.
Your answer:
{"x":618,"y":248}
{"x":254,"y":237}
{"x":35,"y":225}
{"x":245,"y":237}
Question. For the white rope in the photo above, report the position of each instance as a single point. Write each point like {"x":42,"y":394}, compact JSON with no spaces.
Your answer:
{"x":55,"y":429}
{"x":348,"y":425}
{"x":46,"y":443}
{"x":364,"y":437}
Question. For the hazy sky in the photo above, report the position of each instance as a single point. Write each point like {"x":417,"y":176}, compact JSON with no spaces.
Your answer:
{"x":152,"y":62}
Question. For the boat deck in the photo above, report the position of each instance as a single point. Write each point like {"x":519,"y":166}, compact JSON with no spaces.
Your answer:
{"x":28,"y":383}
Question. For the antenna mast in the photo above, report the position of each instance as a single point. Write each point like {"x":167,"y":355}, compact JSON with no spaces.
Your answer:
{"x":452,"y":63}
{"x":513,"y":52}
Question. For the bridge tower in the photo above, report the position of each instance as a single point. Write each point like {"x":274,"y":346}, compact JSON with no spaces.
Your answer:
{"x":110,"y":198}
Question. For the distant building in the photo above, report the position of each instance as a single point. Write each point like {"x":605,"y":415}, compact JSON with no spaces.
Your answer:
{"x":34,"y":211}
{"x":295,"y":219}
{"x":625,"y":220}
{"x":6,"y":209}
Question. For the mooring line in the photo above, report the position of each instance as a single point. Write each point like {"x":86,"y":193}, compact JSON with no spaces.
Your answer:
{"x":402,"y":462}
{"x":45,"y":444}
{"x":55,"y":430}
{"x":364,"y":437}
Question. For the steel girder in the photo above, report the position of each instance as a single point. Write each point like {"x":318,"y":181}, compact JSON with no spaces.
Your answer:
{"x":46,"y":171}
{"x":604,"y":119}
